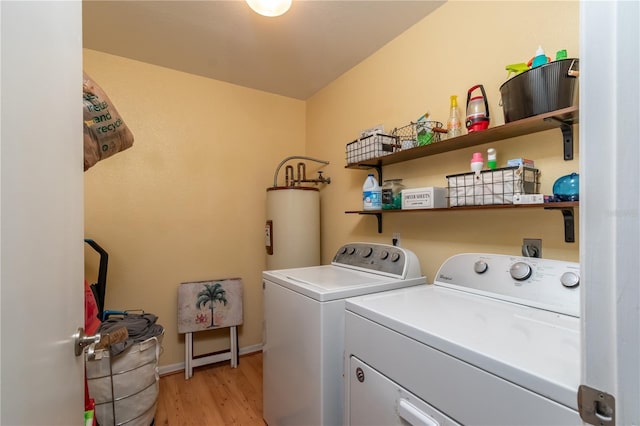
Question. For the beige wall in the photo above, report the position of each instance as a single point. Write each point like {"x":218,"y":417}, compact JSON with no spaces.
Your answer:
{"x":459,"y":45}
{"x":187,"y":202}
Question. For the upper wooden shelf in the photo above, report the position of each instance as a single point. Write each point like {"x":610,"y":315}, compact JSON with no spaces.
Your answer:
{"x":562,"y":118}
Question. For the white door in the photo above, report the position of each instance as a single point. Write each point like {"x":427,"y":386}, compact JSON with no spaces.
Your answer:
{"x":377,"y":400}
{"x":41,"y":201}
{"x":610,"y":203}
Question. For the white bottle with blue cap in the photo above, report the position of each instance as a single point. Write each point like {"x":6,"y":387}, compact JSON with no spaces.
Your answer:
{"x":371,"y":194}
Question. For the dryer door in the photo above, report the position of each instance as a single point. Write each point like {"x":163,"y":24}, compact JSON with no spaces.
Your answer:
{"x":376,"y":400}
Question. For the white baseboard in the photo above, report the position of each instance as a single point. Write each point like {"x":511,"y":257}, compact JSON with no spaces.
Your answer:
{"x":172,"y":368}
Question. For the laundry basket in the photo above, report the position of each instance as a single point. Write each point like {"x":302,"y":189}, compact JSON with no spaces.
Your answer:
{"x":127,"y":376}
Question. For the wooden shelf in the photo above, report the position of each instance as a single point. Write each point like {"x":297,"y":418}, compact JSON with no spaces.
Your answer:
{"x":563,"y":119}
{"x":561,"y":205}
{"x":565,"y":207}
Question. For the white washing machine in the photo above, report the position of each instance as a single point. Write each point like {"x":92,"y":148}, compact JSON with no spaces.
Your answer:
{"x":495,"y":341}
{"x":303,"y":349}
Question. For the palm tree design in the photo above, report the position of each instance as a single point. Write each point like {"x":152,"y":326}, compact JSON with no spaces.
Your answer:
{"x":211,"y":294}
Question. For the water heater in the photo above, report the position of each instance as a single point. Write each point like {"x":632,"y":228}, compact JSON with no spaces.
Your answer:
{"x":292,"y":229}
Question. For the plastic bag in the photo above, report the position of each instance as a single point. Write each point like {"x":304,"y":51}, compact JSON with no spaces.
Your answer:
{"x":105,"y":132}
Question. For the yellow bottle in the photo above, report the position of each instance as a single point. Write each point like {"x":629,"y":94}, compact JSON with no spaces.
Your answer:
{"x":454,"y":124}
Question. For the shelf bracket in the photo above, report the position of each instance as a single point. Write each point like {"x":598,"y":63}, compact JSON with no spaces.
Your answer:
{"x":569,"y":223}
{"x":567,"y":136}
{"x":567,"y":140}
{"x":376,"y":166}
{"x":378,"y":215}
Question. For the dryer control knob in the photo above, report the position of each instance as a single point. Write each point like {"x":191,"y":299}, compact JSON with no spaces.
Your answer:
{"x":367,"y":252}
{"x":384,"y":254}
{"x":520,"y":271}
{"x":395,"y":257}
{"x":352,"y":250}
{"x":570,"y":279}
{"x":480,"y":267}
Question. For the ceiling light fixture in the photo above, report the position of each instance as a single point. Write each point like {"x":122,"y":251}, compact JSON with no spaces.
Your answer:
{"x":269,"y":7}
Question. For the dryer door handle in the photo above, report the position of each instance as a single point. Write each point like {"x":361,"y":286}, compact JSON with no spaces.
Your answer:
{"x":414,"y":415}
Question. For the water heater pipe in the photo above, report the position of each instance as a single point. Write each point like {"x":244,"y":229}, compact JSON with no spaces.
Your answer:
{"x":294,"y":157}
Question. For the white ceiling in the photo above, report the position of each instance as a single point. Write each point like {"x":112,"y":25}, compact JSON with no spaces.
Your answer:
{"x":294,"y":55}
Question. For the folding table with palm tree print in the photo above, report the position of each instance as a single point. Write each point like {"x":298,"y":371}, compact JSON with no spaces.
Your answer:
{"x":207,"y":305}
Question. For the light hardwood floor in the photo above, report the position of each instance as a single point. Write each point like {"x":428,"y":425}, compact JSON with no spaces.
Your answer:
{"x":216,"y":395}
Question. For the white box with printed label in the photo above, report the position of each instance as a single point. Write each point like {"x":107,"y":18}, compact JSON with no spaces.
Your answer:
{"x":431,"y":197}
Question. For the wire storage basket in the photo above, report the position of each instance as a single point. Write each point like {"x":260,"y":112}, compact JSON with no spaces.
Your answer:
{"x":130,"y":379}
{"x":123,"y":378}
{"x":417,"y":134}
{"x":369,"y":147}
{"x":492,"y":186}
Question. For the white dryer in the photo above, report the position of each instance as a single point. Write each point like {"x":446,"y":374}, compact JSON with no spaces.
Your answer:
{"x":495,"y":341}
{"x":304,"y":313}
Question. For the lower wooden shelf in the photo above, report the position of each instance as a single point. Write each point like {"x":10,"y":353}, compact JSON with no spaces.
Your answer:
{"x":566,"y":207}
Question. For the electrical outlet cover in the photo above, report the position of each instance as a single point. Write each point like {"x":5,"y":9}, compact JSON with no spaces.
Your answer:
{"x":532,"y":247}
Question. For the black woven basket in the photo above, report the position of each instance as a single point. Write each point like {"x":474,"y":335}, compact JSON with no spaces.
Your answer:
{"x":539,"y":90}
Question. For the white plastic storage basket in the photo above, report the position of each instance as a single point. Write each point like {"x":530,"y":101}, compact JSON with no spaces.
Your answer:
{"x":491,"y":186}
{"x":132,"y":376}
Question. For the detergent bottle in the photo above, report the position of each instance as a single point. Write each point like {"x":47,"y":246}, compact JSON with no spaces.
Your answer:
{"x":371,"y":194}
{"x":477,"y":163}
{"x":491,"y":158}
{"x":540,"y":58}
{"x":454,"y":124}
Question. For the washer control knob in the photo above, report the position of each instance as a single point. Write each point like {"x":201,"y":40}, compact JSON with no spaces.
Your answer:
{"x":384,"y":254}
{"x":367,"y":252}
{"x":343,"y":250}
{"x":480,"y":267}
{"x":520,"y":271}
{"x":395,"y":257}
{"x":570,"y":279}
{"x":352,"y":250}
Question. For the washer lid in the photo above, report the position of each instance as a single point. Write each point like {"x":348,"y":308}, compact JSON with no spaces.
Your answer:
{"x":536,"y":349}
{"x":330,"y":282}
